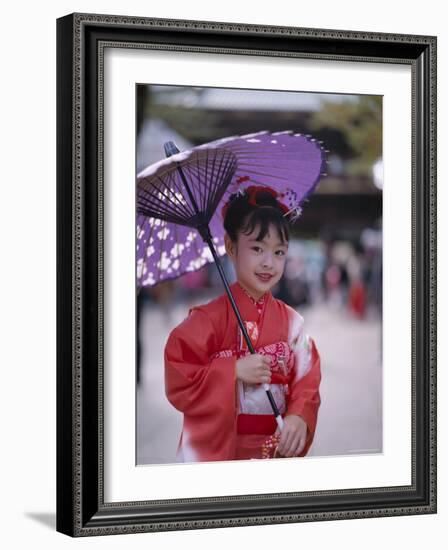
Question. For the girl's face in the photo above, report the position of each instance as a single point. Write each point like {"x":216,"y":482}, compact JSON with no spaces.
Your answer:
{"x":259,"y":265}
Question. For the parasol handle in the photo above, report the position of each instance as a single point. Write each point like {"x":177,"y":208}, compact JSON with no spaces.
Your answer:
{"x":278,"y":418}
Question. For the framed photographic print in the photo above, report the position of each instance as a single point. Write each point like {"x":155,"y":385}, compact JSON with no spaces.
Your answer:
{"x":246,"y":274}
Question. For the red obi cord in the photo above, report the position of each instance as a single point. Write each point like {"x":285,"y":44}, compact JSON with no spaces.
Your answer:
{"x":260,"y":424}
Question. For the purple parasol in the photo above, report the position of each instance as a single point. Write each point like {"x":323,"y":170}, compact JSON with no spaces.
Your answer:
{"x":168,"y":242}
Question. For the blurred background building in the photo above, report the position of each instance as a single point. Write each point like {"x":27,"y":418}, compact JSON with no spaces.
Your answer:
{"x":333,"y":274}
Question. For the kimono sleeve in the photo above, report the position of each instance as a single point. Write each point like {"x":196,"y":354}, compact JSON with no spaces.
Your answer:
{"x":194,"y":384}
{"x":304,"y":397}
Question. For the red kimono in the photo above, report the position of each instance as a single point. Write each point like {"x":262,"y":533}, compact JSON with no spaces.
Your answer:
{"x":224,"y":418}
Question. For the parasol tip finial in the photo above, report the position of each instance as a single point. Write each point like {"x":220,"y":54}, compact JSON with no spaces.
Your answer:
{"x":170,"y":148}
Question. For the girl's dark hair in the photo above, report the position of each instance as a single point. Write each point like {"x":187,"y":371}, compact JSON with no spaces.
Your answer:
{"x":242,"y":216}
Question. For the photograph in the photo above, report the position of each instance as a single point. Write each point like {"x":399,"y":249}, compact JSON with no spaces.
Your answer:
{"x":289,"y":187}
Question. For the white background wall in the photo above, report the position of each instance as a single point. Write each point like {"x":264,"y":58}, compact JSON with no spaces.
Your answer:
{"x":28,"y":273}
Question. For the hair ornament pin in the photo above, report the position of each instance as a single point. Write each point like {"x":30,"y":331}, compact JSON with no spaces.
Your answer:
{"x":296,"y":213}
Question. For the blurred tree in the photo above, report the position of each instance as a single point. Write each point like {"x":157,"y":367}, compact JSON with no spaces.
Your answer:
{"x":360,"y":122}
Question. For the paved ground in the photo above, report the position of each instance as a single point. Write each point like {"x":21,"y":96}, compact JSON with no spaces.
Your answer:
{"x":350,"y":415}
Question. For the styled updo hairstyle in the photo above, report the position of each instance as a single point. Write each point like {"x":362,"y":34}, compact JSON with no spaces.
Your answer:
{"x":255,"y":206}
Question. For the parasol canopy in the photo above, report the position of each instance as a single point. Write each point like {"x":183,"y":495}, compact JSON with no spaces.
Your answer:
{"x":168,"y":241}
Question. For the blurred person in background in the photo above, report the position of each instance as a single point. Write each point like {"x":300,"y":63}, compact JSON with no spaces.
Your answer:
{"x":357,"y":298}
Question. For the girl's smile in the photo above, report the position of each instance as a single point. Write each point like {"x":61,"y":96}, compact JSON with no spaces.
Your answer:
{"x":265,"y":277}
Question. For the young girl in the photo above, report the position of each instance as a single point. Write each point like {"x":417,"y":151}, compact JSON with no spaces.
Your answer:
{"x":210,"y":375}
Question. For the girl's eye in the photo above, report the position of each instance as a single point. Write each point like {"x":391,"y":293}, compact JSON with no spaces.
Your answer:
{"x":280,"y":253}
{"x":256,"y":248}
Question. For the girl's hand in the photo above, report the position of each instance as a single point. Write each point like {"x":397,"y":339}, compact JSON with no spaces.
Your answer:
{"x":254,"y":369}
{"x":293,"y":436}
